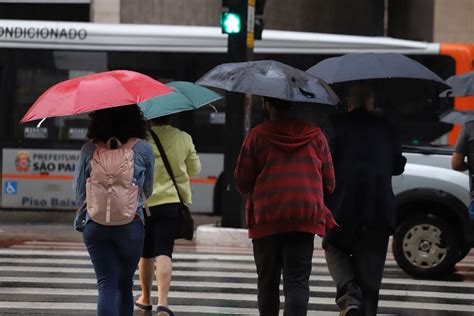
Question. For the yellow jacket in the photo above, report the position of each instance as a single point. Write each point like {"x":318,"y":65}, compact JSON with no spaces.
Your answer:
{"x":184,"y":162}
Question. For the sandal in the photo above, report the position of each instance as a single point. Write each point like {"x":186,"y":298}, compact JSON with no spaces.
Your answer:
{"x":164,"y":311}
{"x":142,"y":307}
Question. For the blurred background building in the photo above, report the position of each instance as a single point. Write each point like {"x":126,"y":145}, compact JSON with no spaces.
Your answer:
{"x":424,"y":20}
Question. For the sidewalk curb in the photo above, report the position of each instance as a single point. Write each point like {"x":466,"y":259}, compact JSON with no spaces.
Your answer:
{"x":212,"y":235}
{"x":37,"y":216}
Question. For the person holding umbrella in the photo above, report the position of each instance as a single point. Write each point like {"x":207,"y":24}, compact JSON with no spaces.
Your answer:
{"x":171,"y":187}
{"x":114,"y":174}
{"x":283,"y":168}
{"x":116,"y":249}
{"x":366,"y":153}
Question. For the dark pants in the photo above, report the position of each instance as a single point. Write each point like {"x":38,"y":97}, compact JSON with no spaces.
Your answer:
{"x":115,"y":252}
{"x":357,"y":267}
{"x":292,"y":253}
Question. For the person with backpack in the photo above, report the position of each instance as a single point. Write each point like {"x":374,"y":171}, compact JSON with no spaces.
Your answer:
{"x":161,"y":228}
{"x":284,"y":168}
{"x":113,"y":179}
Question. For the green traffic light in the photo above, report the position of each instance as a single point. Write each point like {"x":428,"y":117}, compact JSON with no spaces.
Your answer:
{"x":230,"y":23}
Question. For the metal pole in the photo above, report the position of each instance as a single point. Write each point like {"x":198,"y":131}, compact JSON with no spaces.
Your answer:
{"x":240,"y":48}
{"x":378,"y":17}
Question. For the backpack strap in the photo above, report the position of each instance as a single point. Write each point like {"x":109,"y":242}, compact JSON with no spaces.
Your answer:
{"x":129,"y":144}
{"x":110,"y":182}
{"x":145,"y":204}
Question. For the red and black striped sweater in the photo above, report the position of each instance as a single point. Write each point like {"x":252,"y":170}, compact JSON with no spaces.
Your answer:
{"x":285,"y":168}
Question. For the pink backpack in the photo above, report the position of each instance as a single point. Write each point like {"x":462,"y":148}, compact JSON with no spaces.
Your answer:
{"x":111,"y":195}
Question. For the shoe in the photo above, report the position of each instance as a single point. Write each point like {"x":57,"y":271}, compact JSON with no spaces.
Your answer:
{"x":164,"y":311}
{"x":352,"y":310}
{"x":142,"y":307}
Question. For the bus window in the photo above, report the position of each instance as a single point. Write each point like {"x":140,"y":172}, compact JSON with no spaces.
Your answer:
{"x":207,"y":127}
{"x":31,"y":83}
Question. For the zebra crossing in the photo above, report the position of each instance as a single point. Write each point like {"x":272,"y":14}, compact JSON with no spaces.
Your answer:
{"x":41,"y":278}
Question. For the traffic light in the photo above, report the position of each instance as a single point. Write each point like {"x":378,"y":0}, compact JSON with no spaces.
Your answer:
{"x":231,"y":23}
{"x":232,"y":18}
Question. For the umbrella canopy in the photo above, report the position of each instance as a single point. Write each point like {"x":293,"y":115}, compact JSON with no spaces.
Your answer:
{"x":94,"y":92}
{"x":188,"y":96}
{"x":271,"y":79}
{"x":457,"y":117}
{"x":367,"y":66}
{"x":462,"y":86}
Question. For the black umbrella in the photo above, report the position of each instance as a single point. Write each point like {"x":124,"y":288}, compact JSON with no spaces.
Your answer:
{"x":462,"y":86}
{"x":367,"y":66}
{"x":457,"y":117}
{"x":269,"y":78}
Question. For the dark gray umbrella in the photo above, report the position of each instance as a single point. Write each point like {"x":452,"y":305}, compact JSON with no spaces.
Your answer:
{"x":367,"y":66}
{"x":457,"y":116}
{"x":269,"y":78}
{"x":462,"y":86}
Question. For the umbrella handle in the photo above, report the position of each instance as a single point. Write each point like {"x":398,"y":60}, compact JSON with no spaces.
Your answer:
{"x":213,"y":107}
{"x":40,"y":122}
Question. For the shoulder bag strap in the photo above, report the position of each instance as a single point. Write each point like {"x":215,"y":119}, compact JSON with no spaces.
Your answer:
{"x":165,"y":161}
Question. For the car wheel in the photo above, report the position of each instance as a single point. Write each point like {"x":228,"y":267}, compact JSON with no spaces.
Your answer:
{"x":425,"y":246}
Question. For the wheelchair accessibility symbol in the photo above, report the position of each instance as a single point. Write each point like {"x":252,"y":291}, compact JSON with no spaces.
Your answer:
{"x":10,"y":187}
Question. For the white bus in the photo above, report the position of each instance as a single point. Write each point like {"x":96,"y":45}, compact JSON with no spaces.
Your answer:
{"x":38,"y":163}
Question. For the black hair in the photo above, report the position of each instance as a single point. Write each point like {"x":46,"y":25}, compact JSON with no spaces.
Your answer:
{"x":278,"y":104}
{"x":163,"y":120}
{"x":122,"y":122}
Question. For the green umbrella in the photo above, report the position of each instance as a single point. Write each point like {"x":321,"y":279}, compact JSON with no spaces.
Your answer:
{"x":188,"y":96}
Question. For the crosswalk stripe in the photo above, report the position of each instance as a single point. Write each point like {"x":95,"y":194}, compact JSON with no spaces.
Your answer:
{"x":209,"y":310}
{"x":248,"y":286}
{"x":224,"y":274}
{"x":246,"y":298}
{"x":250,"y":265}
{"x":182,"y":256}
{"x":242,"y":284}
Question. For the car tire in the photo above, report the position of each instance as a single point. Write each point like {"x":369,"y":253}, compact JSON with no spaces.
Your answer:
{"x":425,"y":246}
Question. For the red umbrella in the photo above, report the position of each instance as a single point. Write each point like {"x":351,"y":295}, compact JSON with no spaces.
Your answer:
{"x":94,"y":92}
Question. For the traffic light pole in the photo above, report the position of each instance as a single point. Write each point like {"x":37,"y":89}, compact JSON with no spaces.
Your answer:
{"x":238,"y":109}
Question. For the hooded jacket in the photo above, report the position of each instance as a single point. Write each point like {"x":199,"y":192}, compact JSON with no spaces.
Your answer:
{"x":284,"y":168}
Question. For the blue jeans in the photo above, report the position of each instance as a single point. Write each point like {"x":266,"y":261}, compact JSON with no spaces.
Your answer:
{"x":115,"y":252}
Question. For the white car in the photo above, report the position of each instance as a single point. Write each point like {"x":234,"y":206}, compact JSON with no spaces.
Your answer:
{"x":434,"y":230}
